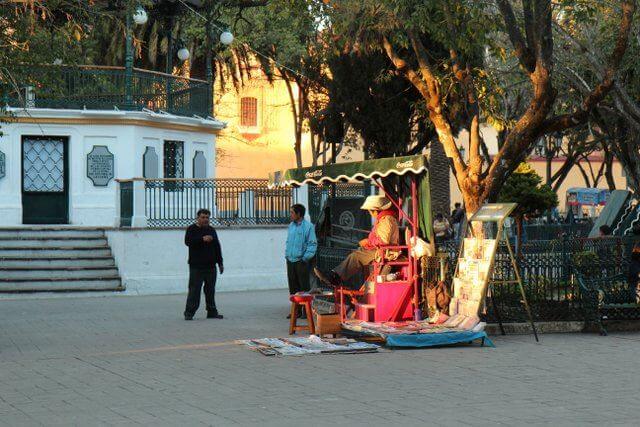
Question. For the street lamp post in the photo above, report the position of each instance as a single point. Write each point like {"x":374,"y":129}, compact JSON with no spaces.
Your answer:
{"x":140,"y":18}
{"x":548,"y":147}
{"x":225,"y":38}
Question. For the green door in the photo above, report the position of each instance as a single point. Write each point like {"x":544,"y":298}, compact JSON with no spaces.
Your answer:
{"x":45,"y":198}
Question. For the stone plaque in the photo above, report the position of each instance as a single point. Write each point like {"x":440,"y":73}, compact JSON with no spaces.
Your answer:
{"x":199,"y":165}
{"x":150,"y":163}
{"x":3,"y":167}
{"x":100,"y":166}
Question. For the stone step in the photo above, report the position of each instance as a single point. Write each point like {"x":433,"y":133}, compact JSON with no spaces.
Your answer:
{"x":62,"y":285}
{"x":56,"y":242}
{"x":44,"y":252}
{"x":30,"y":233}
{"x":30,"y":273}
{"x":98,"y":261}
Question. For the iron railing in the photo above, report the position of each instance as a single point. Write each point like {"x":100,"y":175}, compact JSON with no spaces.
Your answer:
{"x":104,"y":88}
{"x":174,"y":202}
{"x":319,"y":194}
{"x":547,"y":269}
{"x":556,"y":231}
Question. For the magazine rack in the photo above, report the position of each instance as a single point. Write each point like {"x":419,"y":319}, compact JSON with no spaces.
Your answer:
{"x":475,"y":267}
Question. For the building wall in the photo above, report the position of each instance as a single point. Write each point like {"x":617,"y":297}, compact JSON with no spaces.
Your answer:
{"x":91,"y":205}
{"x":254,"y":152}
{"x":154,"y":261}
{"x":574,"y":179}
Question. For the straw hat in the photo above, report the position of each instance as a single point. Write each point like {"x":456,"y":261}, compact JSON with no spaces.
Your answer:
{"x":376,"y":203}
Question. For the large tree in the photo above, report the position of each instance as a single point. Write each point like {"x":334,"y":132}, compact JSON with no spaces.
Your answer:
{"x":476,"y":35}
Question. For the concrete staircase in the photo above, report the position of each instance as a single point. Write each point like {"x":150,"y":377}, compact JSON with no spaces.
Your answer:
{"x":56,"y":259}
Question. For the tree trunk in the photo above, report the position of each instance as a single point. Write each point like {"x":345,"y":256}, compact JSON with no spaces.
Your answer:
{"x":519,"y":229}
{"x":297,"y":116}
{"x":439,"y":179}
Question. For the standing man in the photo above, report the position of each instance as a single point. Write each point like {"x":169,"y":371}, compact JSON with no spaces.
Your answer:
{"x":204,"y":254}
{"x":457,"y":217}
{"x":300,"y":249}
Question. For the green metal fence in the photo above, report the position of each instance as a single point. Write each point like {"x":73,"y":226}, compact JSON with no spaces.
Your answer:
{"x":174,"y":202}
{"x":103,"y":88}
{"x":547,"y":269}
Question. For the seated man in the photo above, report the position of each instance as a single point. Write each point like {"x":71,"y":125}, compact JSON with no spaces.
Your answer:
{"x":384,"y":232}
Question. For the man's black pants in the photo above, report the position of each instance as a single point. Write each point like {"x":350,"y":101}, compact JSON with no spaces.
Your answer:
{"x":298,"y":276}
{"x":197,"y":276}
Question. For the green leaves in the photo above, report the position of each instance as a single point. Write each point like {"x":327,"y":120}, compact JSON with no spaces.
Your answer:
{"x":525,"y":188}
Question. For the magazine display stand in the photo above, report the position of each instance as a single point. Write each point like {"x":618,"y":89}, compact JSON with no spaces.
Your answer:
{"x":475,"y":266}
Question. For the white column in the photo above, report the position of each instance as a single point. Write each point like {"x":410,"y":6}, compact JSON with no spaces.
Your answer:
{"x":139,"y":218}
{"x":116,"y":219}
{"x":302,"y":197}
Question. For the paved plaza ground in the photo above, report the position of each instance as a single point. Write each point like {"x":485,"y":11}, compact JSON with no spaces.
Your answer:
{"x":134,"y":360}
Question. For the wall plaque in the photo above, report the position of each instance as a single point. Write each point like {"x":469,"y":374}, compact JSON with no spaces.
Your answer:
{"x":3,"y":167}
{"x":100,"y":166}
{"x":150,"y":163}
{"x":199,"y":165}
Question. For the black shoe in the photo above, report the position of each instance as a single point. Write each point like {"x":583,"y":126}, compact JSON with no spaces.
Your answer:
{"x":330,"y":278}
{"x":188,"y":317}
{"x":214,"y":315}
{"x":289,"y":316}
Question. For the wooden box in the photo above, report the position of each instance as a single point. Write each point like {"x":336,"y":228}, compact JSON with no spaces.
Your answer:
{"x":327,"y":324}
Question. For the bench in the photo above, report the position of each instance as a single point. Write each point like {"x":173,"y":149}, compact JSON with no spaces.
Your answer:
{"x":606,"y":298}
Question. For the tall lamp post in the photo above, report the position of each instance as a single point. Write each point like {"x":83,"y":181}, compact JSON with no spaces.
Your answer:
{"x":549,"y":147}
{"x":214,"y":29}
{"x":140,"y":18}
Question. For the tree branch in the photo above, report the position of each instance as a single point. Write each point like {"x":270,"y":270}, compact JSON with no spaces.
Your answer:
{"x":523,"y":52}
{"x":581,"y":114}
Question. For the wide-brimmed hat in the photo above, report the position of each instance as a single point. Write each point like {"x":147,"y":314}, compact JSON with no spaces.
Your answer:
{"x":376,"y":203}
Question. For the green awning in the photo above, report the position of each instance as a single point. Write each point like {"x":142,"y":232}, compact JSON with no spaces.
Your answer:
{"x":352,"y":171}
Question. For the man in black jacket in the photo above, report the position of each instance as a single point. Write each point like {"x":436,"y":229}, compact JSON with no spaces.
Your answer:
{"x":204,"y":254}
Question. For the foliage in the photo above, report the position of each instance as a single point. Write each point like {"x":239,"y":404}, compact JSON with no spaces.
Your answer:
{"x":587,"y":263}
{"x":525,"y":188}
{"x":382,"y":107}
{"x":469,"y":60}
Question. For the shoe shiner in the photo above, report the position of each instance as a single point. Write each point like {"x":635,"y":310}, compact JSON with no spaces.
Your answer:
{"x":384,"y":232}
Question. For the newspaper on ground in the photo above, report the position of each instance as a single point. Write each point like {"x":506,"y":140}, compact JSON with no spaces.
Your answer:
{"x":301,"y":346}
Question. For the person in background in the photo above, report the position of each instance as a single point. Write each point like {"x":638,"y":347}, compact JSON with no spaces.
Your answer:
{"x":605,"y":231}
{"x":441,"y":228}
{"x":204,"y":253}
{"x":300,"y":249}
{"x":633,"y":274}
{"x":457,"y":217}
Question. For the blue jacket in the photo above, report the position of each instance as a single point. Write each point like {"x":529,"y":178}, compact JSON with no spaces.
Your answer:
{"x":301,"y":242}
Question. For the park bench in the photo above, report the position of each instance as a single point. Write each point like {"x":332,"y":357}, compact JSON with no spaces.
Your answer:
{"x":606,"y":297}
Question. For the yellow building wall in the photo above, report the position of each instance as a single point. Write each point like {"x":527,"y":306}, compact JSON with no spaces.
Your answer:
{"x":574,"y":179}
{"x":255,"y":152}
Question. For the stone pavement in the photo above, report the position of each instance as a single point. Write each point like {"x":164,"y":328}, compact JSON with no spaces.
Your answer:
{"x":133,"y":360}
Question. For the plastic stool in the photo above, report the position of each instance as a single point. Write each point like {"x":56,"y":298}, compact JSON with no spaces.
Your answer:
{"x":301,"y":300}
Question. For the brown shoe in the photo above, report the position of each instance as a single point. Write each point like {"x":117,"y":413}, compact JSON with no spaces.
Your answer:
{"x":330,"y":278}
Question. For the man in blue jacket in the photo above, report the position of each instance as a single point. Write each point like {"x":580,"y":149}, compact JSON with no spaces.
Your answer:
{"x":300,"y":249}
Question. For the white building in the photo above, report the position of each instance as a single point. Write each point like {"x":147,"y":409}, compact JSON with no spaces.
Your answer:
{"x":63,"y":166}
{"x":96,"y":190}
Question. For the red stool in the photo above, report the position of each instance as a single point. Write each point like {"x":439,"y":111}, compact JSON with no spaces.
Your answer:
{"x":301,"y":300}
